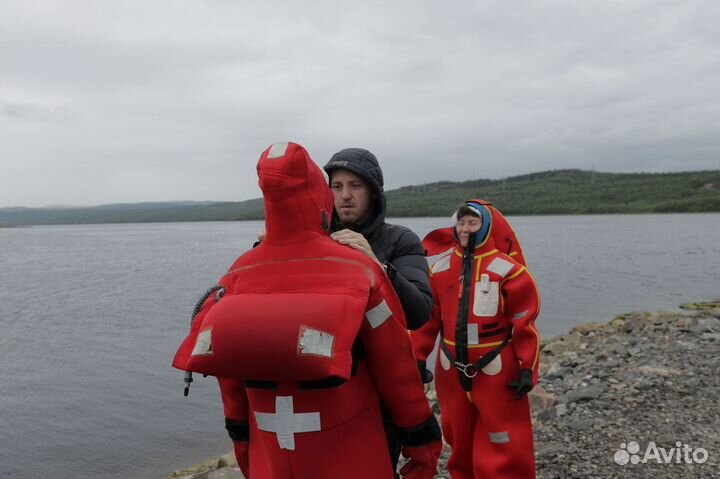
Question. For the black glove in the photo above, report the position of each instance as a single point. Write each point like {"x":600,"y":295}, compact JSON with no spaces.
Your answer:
{"x":523,"y":384}
{"x":425,"y":373}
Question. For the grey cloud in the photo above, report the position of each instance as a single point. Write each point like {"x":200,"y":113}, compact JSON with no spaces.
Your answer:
{"x":167,"y":100}
{"x":18,"y":111}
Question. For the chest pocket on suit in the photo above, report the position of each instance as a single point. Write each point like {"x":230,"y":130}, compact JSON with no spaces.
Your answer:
{"x":485,"y":303}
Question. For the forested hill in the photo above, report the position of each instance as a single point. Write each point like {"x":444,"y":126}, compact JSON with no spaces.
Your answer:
{"x":547,"y":192}
{"x":568,"y":192}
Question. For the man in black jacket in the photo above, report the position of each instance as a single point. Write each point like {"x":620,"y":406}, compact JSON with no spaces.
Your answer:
{"x":359,"y":222}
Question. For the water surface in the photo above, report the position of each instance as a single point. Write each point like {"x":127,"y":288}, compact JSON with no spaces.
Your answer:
{"x":92,"y":315}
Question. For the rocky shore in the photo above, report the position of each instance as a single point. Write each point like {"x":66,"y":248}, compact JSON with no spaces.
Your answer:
{"x":635,"y":397}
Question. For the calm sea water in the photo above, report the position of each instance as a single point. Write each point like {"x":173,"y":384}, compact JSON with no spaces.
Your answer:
{"x":92,"y":315}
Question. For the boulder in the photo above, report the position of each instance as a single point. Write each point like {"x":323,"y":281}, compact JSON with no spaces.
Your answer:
{"x":586,"y":328}
{"x":225,"y":473}
{"x":584,"y":393}
{"x":540,"y":399}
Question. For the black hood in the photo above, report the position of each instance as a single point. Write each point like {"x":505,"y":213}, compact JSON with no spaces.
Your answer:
{"x":364,"y":164}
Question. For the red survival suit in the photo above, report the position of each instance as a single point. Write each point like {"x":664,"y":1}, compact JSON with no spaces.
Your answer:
{"x":306,"y":336}
{"x":485,"y":305}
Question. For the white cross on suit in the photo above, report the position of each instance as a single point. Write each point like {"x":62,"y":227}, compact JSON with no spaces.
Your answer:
{"x":285,"y":423}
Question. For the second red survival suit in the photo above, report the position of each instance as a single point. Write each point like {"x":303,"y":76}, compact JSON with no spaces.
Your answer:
{"x":306,"y":336}
{"x":485,"y":305}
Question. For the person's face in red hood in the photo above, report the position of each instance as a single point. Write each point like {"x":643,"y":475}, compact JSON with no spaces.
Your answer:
{"x":465,"y":226}
{"x":353,"y":196}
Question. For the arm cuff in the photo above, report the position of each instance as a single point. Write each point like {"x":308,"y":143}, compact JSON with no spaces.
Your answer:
{"x":424,"y":433}
{"x":238,"y":430}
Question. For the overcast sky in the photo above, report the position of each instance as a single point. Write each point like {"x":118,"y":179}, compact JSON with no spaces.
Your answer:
{"x":109,"y":101}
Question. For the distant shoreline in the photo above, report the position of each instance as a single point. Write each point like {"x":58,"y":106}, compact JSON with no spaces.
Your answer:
{"x":390,"y":218}
{"x":561,"y":192}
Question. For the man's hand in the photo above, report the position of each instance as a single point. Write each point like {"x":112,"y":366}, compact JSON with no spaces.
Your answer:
{"x":423,"y":460}
{"x":261,"y":238}
{"x":523,"y":384}
{"x":356,"y":241}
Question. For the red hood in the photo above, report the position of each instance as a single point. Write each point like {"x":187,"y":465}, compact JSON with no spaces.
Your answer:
{"x":298,"y":201}
{"x":499,"y":235}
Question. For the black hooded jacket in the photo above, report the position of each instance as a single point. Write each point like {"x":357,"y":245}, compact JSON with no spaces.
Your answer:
{"x":392,"y":244}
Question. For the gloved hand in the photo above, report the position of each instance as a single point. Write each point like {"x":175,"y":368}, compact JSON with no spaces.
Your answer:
{"x":423,"y":460}
{"x":242,"y":454}
{"x":523,"y":384}
{"x":425,"y":373}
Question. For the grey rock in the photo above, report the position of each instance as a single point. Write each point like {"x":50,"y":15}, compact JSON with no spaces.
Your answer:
{"x":617,"y":350}
{"x":584,"y":394}
{"x":226,"y":473}
{"x":658,"y":371}
{"x":704,"y":325}
{"x":612,"y":363}
{"x":631,"y":391}
{"x":547,"y":415}
{"x":692,"y":383}
{"x":549,"y":449}
{"x":580,"y":424}
{"x":557,"y":371}
{"x":643,"y":384}
{"x":688,"y":345}
{"x":629,"y":376}
{"x":227,"y":460}
{"x":631,"y":323}
{"x":569,"y":359}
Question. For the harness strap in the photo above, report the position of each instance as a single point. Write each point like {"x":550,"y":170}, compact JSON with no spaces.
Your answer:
{"x":471,"y":370}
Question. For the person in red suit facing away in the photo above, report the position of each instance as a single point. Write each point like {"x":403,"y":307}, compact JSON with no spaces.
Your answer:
{"x":485,"y":306}
{"x":306,"y":336}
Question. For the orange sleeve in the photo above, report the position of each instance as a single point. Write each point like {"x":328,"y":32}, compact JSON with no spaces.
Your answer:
{"x":522,"y":306}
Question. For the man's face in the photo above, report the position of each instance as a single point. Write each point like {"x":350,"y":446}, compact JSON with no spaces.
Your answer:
{"x":465,"y":226}
{"x":353,"y":196}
